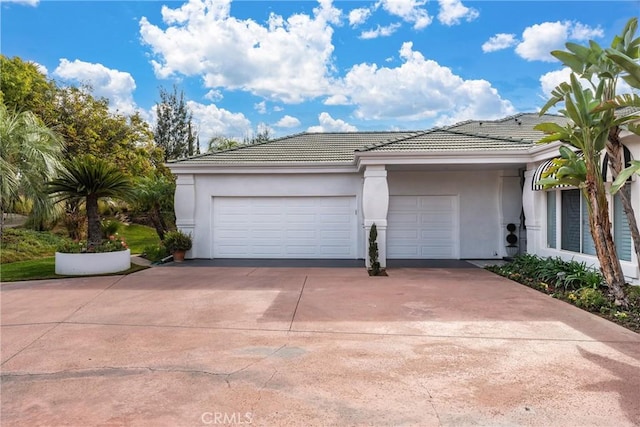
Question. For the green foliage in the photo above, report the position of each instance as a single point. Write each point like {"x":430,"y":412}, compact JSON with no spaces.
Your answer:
{"x":30,"y":153}
{"x":24,"y":88}
{"x":114,"y":243}
{"x":155,"y":253}
{"x":90,"y":179}
{"x":42,"y":269}
{"x":177,"y":241}
{"x":20,"y":244}
{"x":554,"y":272}
{"x":590,"y":299}
{"x":139,"y":237}
{"x":110,"y":227}
{"x":220,"y":143}
{"x":154,"y":196}
{"x":174,"y":131}
{"x":373,"y":250}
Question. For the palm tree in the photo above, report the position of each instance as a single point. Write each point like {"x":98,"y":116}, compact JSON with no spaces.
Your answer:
{"x":90,"y":179}
{"x":30,"y":153}
{"x":154,"y":194}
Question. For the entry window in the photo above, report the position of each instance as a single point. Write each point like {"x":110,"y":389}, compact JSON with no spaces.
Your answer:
{"x":551,"y":219}
{"x":575,"y":234}
{"x":621,"y":231}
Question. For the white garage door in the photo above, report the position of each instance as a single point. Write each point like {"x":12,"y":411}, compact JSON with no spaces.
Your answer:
{"x":422,"y":227}
{"x":284,"y":227}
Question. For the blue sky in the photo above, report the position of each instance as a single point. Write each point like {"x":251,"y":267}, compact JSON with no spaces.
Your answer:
{"x":296,"y":66}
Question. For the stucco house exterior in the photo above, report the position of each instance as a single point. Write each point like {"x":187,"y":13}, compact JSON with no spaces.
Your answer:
{"x":447,"y":192}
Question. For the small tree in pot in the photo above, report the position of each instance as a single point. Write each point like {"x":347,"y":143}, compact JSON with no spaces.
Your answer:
{"x":177,"y":243}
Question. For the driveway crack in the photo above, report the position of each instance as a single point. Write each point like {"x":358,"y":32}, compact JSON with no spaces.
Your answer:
{"x":295,"y":311}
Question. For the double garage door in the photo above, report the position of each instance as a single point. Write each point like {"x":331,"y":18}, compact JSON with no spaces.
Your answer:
{"x":423,"y":227}
{"x":284,"y":227}
{"x":419,"y":227}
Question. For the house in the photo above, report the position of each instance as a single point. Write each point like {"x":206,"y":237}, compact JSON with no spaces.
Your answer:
{"x":447,"y":192}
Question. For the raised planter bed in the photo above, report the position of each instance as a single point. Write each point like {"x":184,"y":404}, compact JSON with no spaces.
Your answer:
{"x":92,"y":263}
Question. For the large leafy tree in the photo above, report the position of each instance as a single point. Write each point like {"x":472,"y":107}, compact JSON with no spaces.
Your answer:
{"x":89,"y":179}
{"x":602,"y":68}
{"x":24,"y":88}
{"x":174,"y":131}
{"x":30,"y":153}
{"x":588,"y":132}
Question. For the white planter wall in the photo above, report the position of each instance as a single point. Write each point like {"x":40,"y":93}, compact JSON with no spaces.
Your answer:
{"x":92,"y":263}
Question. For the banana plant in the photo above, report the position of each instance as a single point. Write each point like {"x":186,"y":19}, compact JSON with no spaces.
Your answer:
{"x":601,"y":68}
{"x":588,"y":132}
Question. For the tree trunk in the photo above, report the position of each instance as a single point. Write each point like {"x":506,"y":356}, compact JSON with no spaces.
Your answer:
{"x":156,"y":219}
{"x":600,"y":226}
{"x":616,"y":163}
{"x":94,"y":232}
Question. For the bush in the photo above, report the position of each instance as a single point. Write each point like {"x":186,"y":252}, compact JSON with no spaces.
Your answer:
{"x":155,"y":253}
{"x":114,"y":243}
{"x":109,"y":227}
{"x":177,"y":241}
{"x":590,"y":299}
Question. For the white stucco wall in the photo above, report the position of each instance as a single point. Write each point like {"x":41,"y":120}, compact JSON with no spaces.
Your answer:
{"x":489,"y":199}
{"x":208,"y":186}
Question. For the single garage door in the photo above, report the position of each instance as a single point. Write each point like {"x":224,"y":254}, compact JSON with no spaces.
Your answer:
{"x":422,"y":227}
{"x":284,"y":227}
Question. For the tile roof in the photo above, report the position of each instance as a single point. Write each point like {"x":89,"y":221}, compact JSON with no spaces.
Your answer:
{"x":511,"y":133}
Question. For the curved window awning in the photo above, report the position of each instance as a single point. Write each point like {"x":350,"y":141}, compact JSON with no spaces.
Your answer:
{"x":606,"y":171}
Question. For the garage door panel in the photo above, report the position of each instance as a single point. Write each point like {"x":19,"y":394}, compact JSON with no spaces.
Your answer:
{"x":284,"y":227}
{"x":422,"y":227}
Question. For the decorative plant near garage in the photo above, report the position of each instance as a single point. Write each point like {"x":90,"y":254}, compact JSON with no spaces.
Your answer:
{"x":177,"y":243}
{"x":375,"y":269}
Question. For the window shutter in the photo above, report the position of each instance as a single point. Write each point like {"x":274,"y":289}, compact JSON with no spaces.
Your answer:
{"x":551,"y":219}
{"x":621,"y":231}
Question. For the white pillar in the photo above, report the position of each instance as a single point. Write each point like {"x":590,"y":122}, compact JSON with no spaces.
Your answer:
{"x":185,"y":207}
{"x":532,"y":211}
{"x":375,"y":205}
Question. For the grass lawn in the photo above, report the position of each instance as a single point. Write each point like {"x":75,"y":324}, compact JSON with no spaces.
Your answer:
{"x":29,"y":255}
{"x":139,"y":236}
{"x":43,"y":268}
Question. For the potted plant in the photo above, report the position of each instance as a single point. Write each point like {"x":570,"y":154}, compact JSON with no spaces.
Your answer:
{"x":177,"y":243}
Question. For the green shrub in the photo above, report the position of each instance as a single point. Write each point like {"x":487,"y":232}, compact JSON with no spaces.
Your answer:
{"x":114,"y":243}
{"x":155,"y":253}
{"x":590,"y":299}
{"x":110,"y":227}
{"x":177,"y":241}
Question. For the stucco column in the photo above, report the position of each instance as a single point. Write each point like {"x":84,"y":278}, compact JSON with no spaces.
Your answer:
{"x":185,"y":207}
{"x":530,"y":202}
{"x":375,"y":205}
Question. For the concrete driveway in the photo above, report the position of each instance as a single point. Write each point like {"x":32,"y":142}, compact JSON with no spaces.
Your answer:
{"x":194,"y":346}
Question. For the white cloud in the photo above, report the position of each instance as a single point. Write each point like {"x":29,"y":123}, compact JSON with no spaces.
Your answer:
{"x":261,"y":107}
{"x":214,"y":95}
{"x":41,"y":68}
{"x":213,"y":121}
{"x":499,"y":42}
{"x":329,"y":124}
{"x":410,"y":11}
{"x":24,"y":2}
{"x":420,"y":89}
{"x":550,"y":80}
{"x":288,"y":122}
{"x":380,"y":31}
{"x":278,"y":108}
{"x":115,"y":85}
{"x":583,"y":32}
{"x":337,"y":99}
{"x":359,"y":16}
{"x":452,"y":11}
{"x":288,"y":60}
{"x":540,"y":39}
